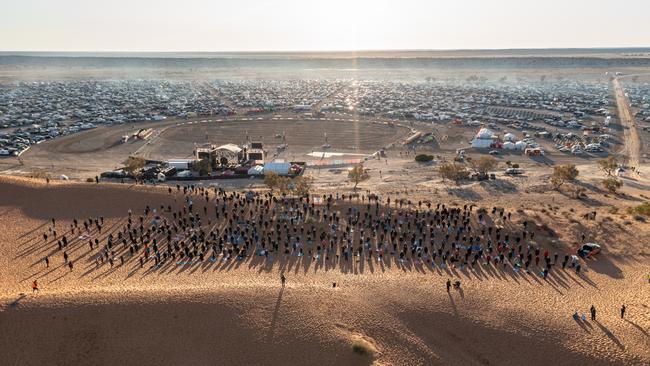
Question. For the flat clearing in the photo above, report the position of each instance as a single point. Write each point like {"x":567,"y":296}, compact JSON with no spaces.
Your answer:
{"x":302,"y":136}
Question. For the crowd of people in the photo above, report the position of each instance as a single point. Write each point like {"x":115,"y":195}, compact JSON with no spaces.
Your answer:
{"x":199,"y":224}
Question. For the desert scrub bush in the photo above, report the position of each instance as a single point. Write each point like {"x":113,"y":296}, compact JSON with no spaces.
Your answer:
{"x":642,"y":209}
{"x":612,"y":184}
{"x":423,"y":158}
{"x":360,"y":348}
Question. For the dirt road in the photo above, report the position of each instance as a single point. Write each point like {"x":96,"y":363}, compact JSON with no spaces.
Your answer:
{"x":632,"y":141}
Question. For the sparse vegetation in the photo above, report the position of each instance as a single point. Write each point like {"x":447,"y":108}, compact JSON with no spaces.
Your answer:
{"x":423,"y":158}
{"x":40,"y":175}
{"x":562,"y":174}
{"x":642,"y":209}
{"x":483,"y":165}
{"x":204,"y":167}
{"x":453,"y":171}
{"x":133,"y":165}
{"x":360,"y":348}
{"x":299,"y":186}
{"x":357,"y":175}
{"x":577,"y":192}
{"x":608,"y":165}
{"x":271,"y":180}
{"x":612,"y":184}
{"x":303,"y":185}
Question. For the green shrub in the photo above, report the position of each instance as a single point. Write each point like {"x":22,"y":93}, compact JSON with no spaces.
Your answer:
{"x":612,"y":184}
{"x":423,"y":158}
{"x":360,"y":348}
{"x":642,"y":209}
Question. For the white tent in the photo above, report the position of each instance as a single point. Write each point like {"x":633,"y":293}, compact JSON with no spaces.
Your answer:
{"x":485,"y":133}
{"x":520,"y":145}
{"x":482,"y":143}
{"x":509,"y":137}
{"x":509,"y":145}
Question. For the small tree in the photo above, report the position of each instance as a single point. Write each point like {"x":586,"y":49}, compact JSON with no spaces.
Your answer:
{"x":453,"y":171}
{"x":271,"y":180}
{"x":358,"y":174}
{"x":612,"y":184}
{"x":203,"y":166}
{"x":284,"y":184}
{"x":134,"y":164}
{"x":608,"y":165}
{"x":483,"y":165}
{"x":563,"y":174}
{"x":303,"y":185}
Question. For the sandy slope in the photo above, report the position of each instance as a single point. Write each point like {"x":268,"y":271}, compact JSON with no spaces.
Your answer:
{"x":237,"y":313}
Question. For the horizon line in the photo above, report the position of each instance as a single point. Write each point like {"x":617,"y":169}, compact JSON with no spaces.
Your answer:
{"x":345,"y":51}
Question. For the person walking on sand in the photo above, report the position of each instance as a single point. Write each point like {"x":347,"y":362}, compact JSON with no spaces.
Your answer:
{"x":47,"y":262}
{"x":283,"y":279}
{"x":592,"y":310}
{"x":623,"y":311}
{"x":70,"y":265}
{"x":34,"y":286}
{"x":448,"y":284}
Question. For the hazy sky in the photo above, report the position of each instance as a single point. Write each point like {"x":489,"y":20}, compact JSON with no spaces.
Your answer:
{"x":254,"y":25}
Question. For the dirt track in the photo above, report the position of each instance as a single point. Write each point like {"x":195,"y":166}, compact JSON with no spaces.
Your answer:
{"x":632,"y":141}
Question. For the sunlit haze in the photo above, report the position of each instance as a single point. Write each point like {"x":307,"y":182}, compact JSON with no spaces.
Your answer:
{"x":292,"y":25}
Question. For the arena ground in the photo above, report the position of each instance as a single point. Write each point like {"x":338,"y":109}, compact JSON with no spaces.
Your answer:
{"x":302,"y":137}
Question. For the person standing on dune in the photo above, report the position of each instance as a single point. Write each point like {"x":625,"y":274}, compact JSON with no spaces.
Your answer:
{"x":34,"y":286}
{"x":283,"y":279}
{"x":448,"y":284}
{"x":623,"y":311}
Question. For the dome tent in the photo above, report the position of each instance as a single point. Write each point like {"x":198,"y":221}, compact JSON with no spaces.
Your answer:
{"x":509,"y":137}
{"x":485,"y":133}
{"x":484,"y":138}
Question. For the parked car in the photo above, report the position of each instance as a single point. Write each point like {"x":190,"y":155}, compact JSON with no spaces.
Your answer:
{"x":589,"y":250}
{"x":514,"y":171}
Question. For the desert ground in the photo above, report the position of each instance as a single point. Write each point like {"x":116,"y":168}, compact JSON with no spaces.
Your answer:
{"x":237,"y":312}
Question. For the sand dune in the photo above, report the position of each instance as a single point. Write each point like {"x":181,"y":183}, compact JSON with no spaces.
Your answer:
{"x":238,"y":313}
